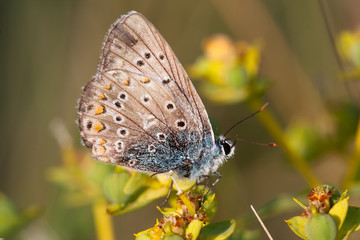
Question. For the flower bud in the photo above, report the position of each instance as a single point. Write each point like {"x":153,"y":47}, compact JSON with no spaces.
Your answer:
{"x":321,"y":227}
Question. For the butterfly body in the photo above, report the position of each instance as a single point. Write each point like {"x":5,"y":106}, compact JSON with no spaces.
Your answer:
{"x":141,"y":110}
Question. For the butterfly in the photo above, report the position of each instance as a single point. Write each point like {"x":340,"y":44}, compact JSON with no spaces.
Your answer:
{"x":142,"y":112}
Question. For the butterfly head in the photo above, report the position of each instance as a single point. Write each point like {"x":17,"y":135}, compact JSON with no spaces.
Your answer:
{"x":225,"y":146}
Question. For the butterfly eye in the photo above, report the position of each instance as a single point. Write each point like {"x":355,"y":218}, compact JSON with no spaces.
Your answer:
{"x":226,"y":146}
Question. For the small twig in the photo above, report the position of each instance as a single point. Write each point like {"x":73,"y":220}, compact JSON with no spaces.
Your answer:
{"x":261,"y":222}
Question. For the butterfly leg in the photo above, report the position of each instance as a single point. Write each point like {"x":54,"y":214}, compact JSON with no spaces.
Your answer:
{"x":218,"y":178}
{"x":168,"y":195}
{"x":206,"y":183}
{"x":177,"y":186}
{"x":173,"y":175}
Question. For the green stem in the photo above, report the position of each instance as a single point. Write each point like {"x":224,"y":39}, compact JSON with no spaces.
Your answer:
{"x":275,"y":130}
{"x":354,"y":163}
{"x":103,"y":221}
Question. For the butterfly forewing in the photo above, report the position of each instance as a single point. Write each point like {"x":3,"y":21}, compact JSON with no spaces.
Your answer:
{"x":154,"y":57}
{"x":141,"y":109}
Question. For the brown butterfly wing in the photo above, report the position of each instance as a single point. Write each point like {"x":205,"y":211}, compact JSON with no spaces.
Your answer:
{"x":141,"y":109}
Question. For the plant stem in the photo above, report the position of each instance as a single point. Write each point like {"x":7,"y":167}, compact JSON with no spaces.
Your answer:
{"x":354,"y":162}
{"x":103,"y":222}
{"x":275,"y":130}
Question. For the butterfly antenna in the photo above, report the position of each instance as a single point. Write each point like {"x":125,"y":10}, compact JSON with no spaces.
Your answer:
{"x":247,"y":117}
{"x":256,"y":143}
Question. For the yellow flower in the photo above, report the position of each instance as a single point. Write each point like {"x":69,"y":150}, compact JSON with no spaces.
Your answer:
{"x":229,"y":69}
{"x":328,"y":215}
{"x":219,"y":48}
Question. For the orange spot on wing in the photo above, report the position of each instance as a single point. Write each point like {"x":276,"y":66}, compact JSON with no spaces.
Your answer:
{"x":145,"y":80}
{"x":108,"y":87}
{"x":98,"y":126}
{"x":102,"y":96}
{"x":126,"y":81}
{"x":99,"y":110}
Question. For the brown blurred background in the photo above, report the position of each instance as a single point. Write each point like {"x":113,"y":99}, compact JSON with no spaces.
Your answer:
{"x":50,"y":49}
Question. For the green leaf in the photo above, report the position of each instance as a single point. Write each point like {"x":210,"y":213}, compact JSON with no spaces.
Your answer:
{"x":97,"y":172}
{"x":145,"y":197}
{"x":339,"y":211}
{"x":143,"y":235}
{"x":114,"y":185}
{"x":193,"y":229}
{"x":351,"y":223}
{"x":297,"y":225}
{"x":136,"y":181}
{"x":336,"y":196}
{"x":217,"y":231}
{"x":172,"y":237}
{"x":12,"y":220}
{"x":168,"y":212}
{"x":299,"y":203}
{"x":343,"y":195}
{"x":245,"y":234}
{"x":210,"y":206}
{"x":321,"y":227}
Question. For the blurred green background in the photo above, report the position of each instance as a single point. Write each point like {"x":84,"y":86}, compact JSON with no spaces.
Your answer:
{"x":50,"y":49}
